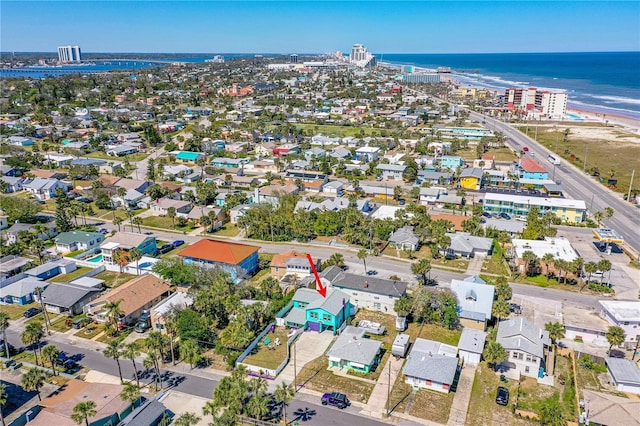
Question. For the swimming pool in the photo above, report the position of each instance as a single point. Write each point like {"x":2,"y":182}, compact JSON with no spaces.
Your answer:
{"x":575,"y":117}
{"x":95,"y":259}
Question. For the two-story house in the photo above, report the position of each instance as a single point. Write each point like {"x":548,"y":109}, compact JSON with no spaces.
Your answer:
{"x":471,"y":178}
{"x":77,"y":240}
{"x":475,"y":301}
{"x":531,"y":169}
{"x":126,"y":241}
{"x":391,"y":171}
{"x":527,"y":346}
{"x":367,"y":154}
{"x":624,"y":314}
{"x":238,"y":260}
{"x":450,"y":162}
{"x":292,"y":262}
{"x":311,"y":311}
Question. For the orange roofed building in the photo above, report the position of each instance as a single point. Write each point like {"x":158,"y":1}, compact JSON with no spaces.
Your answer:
{"x":237,"y":91}
{"x":238,"y":260}
{"x":292,"y":262}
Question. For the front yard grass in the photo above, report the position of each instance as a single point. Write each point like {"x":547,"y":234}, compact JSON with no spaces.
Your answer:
{"x":400,"y":395}
{"x":266,"y":357}
{"x":227,"y":230}
{"x":432,"y":405}
{"x":90,"y":331}
{"x":315,"y":376}
{"x":113,"y":279}
{"x":17,"y":311}
{"x":65,"y":278}
{"x":433,"y":332}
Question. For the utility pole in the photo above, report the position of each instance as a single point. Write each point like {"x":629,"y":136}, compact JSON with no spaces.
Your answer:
{"x":633,"y":172}
{"x":586,"y":151}
{"x":389,"y":388}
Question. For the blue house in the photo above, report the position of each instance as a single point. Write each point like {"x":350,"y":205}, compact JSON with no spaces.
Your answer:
{"x":229,"y":162}
{"x":238,"y":260}
{"x":531,"y":169}
{"x":188,"y":156}
{"x":311,"y":311}
{"x":51,"y":269}
{"x":450,"y":162}
{"x":21,"y":292}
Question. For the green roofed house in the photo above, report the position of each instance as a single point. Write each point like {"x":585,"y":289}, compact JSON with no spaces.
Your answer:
{"x":352,"y":351}
{"x":188,"y":156}
{"x":78,"y":240}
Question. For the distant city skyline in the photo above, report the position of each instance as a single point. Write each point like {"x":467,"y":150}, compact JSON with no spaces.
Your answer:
{"x":320,"y":27}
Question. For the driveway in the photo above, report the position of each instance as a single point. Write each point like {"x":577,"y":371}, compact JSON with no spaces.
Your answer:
{"x":309,"y":346}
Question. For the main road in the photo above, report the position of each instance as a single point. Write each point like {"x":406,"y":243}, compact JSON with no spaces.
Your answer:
{"x":577,"y":184}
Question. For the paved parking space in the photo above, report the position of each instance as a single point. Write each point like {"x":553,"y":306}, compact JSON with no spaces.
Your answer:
{"x":309,"y":346}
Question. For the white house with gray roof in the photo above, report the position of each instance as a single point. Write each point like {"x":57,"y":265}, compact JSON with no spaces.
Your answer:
{"x":527,"y":347}
{"x":471,"y":345}
{"x":352,"y":351}
{"x":475,"y":300}
{"x":624,"y":314}
{"x":466,"y":245}
{"x":404,"y":239}
{"x":77,"y":240}
{"x":431,"y":365}
{"x":391,"y":171}
{"x":625,"y":374}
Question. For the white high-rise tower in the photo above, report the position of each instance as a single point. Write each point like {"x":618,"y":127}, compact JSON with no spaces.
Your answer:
{"x":361,"y":57}
{"x":69,"y":54}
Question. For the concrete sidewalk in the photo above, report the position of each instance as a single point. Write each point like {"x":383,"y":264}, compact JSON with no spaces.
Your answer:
{"x":377,"y":403}
{"x":475,"y":264}
{"x":460,"y":404}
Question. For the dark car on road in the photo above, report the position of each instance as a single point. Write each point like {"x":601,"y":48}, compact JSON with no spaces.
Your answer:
{"x":32,"y":312}
{"x":502,"y":397}
{"x":336,"y":399}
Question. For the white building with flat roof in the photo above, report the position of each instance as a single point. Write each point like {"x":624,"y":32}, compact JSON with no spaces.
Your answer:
{"x":624,"y":314}
{"x":560,"y":248}
{"x":568,"y":210}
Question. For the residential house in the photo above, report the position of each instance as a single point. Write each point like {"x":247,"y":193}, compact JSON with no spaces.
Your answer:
{"x":238,"y":260}
{"x":340,"y":153}
{"x":367,"y":154}
{"x":475,"y":301}
{"x":21,"y":292}
{"x":121,"y":150}
{"x":161,"y":207}
{"x":558,"y":247}
{"x":44,"y":189}
{"x":189,"y":157}
{"x":216,"y":214}
{"x":109,"y":408}
{"x":450,"y":162}
{"x":567,"y":210}
{"x":292,"y":262}
{"x":6,"y":170}
{"x":512,"y":227}
{"x":51,"y":269}
{"x":11,"y":235}
{"x":135,"y":296}
{"x":178,"y":300}
{"x":434,"y":178}
{"x":624,"y":314}
{"x":486,"y":162}
{"x":238,"y":212}
{"x":19,"y":141}
{"x":527,"y":346}
{"x":367,"y":292}
{"x":625,"y":374}
{"x":135,"y":184}
{"x":530,"y":169}
{"x":265,"y":149}
{"x":311,"y":311}
{"x":431,"y":365}
{"x":471,"y":178}
{"x":285,"y":149}
{"x":174,"y":172}
{"x":466,"y":245}
{"x":126,"y":241}
{"x":391,"y":171}
{"x":429,"y":196}
{"x":314,"y":153}
{"x":605,"y":409}
{"x":323,"y":140}
{"x":68,"y":298}
{"x":78,"y":240}
{"x":129,"y":138}
{"x":227,"y":163}
{"x":130,"y":199}
{"x":12,"y":265}
{"x":404,"y":239}
{"x":151,"y":412}
{"x":471,"y":345}
{"x":271,"y":193}
{"x":11,"y":183}
{"x":352,"y":351}
{"x":264,"y":166}
{"x":334,"y":187}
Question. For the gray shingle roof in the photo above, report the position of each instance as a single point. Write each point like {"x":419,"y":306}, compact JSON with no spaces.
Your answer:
{"x":465,"y":243}
{"x":434,"y":367}
{"x":147,"y":414}
{"x":22,"y":287}
{"x":472,"y":340}
{"x":339,"y":278}
{"x":623,"y":371}
{"x":353,"y":346}
{"x":332,"y":303}
{"x":474,"y":298}
{"x":521,"y":334}
{"x":296,"y":316}
{"x":66,"y":295}
{"x":404,"y":235}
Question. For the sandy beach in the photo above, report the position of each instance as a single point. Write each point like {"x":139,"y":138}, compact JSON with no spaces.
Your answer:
{"x":594,"y":117}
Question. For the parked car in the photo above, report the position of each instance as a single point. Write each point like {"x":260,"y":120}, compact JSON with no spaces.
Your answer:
{"x":177,"y":243}
{"x":502,"y":397}
{"x":144,"y":322}
{"x":166,"y":248}
{"x":525,"y":149}
{"x":505,"y":216}
{"x":32,"y":312}
{"x":81,"y":322}
{"x":148,"y":233}
{"x":515,"y":308}
{"x":336,"y":399}
{"x":486,"y":214}
{"x":521,"y":218}
{"x":103,"y":230}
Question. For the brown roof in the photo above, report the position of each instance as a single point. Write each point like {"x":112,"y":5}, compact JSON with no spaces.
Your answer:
{"x":456,"y":219}
{"x":129,"y":183}
{"x":273,"y":189}
{"x":219,"y":251}
{"x":46,"y":174}
{"x":171,"y":186}
{"x":135,"y":294}
{"x":280,"y":260}
{"x":127,"y":239}
{"x":57,"y":408}
{"x":529,"y":165}
{"x":108,"y":180}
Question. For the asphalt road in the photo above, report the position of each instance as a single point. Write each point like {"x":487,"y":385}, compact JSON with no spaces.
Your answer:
{"x":91,"y":356}
{"x":577,"y":184}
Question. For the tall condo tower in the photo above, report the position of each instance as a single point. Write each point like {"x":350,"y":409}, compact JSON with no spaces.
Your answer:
{"x":69,"y":54}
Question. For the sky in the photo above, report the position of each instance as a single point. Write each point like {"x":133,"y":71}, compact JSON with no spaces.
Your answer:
{"x":320,"y":26}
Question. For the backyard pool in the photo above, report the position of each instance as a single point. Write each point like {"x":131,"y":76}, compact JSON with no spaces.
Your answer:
{"x":95,"y":259}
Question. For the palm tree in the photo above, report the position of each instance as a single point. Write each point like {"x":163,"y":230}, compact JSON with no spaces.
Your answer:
{"x":421,"y":267}
{"x":190,"y":351}
{"x":31,"y":336}
{"x":556,"y":331}
{"x":604,"y":265}
{"x":503,"y":290}
{"x":33,"y":380}
{"x":51,"y":353}
{"x":3,"y":401}
{"x":82,"y":411}
{"x":283,"y":394}
{"x":113,"y":311}
{"x":38,"y":291}
{"x":608,"y":212}
{"x":118,"y":221}
{"x":121,"y":257}
{"x":547,"y":259}
{"x":131,"y":351}
{"x":130,"y":393}
{"x":4,"y":325}
{"x":171,"y":214}
{"x":205,"y":222}
{"x":258,"y":406}
{"x":210,"y":409}
{"x":531,"y":261}
{"x":615,"y":336}
{"x":336,"y":259}
{"x":494,"y":353}
{"x":135,"y":254}
{"x":186,"y":419}
{"x":589,"y":268}
{"x":501,"y":309}
{"x":137,"y":220}
{"x":362,"y":255}
{"x":114,"y":350}
{"x":598,"y":217}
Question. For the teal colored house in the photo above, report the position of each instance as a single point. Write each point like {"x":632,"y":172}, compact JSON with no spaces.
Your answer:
{"x":353,"y":351}
{"x":450,"y":162}
{"x":313,"y":312}
{"x":188,"y":156}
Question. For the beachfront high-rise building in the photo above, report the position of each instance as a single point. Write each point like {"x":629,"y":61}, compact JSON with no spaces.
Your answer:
{"x":361,"y":57}
{"x":534,"y":101}
{"x":69,"y":54}
{"x":293,"y":58}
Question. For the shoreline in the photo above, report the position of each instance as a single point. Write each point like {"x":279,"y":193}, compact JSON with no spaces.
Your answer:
{"x":599,"y":117}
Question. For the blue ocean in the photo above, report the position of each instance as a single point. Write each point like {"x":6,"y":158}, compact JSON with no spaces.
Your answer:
{"x":607,"y":82}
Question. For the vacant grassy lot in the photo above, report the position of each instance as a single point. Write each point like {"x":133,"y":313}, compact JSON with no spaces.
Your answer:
{"x":113,"y":279}
{"x":431,"y":405}
{"x":269,"y":356}
{"x":65,"y":278}
{"x":17,"y":311}
{"x":315,"y":376}
{"x":227,"y":230}
{"x":499,"y":154}
{"x":433,"y":332}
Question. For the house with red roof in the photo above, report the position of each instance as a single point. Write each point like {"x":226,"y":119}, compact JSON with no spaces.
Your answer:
{"x":531,"y":169}
{"x":238,"y":260}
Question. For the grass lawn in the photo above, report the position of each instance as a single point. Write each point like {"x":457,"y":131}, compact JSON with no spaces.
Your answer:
{"x":457,"y":264}
{"x":495,"y":265}
{"x":482,"y":406}
{"x":120,"y":336}
{"x":65,"y":278}
{"x":133,"y":158}
{"x":113,"y":279}
{"x":90,"y":331}
{"x":400,"y":395}
{"x":587,"y":379}
{"x":531,"y":394}
{"x":433,"y":332}
{"x":166,"y":223}
{"x":423,"y":252}
{"x":604,"y":154}
{"x":257,"y":278}
{"x":315,"y":376}
{"x":432,"y":405}
{"x":227,"y":230}
{"x":263,"y":356}
{"x":389,"y":321}
{"x":60,"y":324}
{"x":17,"y":311}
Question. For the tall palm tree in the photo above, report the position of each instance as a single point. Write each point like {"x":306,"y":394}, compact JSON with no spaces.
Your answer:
{"x":604,"y":265}
{"x":118,"y":221}
{"x":190,"y":351}
{"x":114,"y":350}
{"x":51,"y":353}
{"x":121,"y":257}
{"x":82,"y":411}
{"x":186,"y":419}
{"x":137,"y":220}
{"x":3,"y":401}
{"x":589,"y":268}
{"x":131,"y":351}
{"x":258,"y":406}
{"x":283,"y":394}
{"x":362,"y":255}
{"x":615,"y":336}
{"x":33,"y":380}
{"x":4,"y":325}
{"x":113,"y":311}
{"x":171,"y":214}
{"x":556,"y":331}
{"x":422,"y":267}
{"x":135,"y":254}
{"x":130,"y":393}
{"x":547,"y":259}
{"x":47,"y":323}
{"x":31,"y":336}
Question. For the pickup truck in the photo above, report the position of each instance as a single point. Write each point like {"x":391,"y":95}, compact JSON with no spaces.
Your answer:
{"x":336,"y":399}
